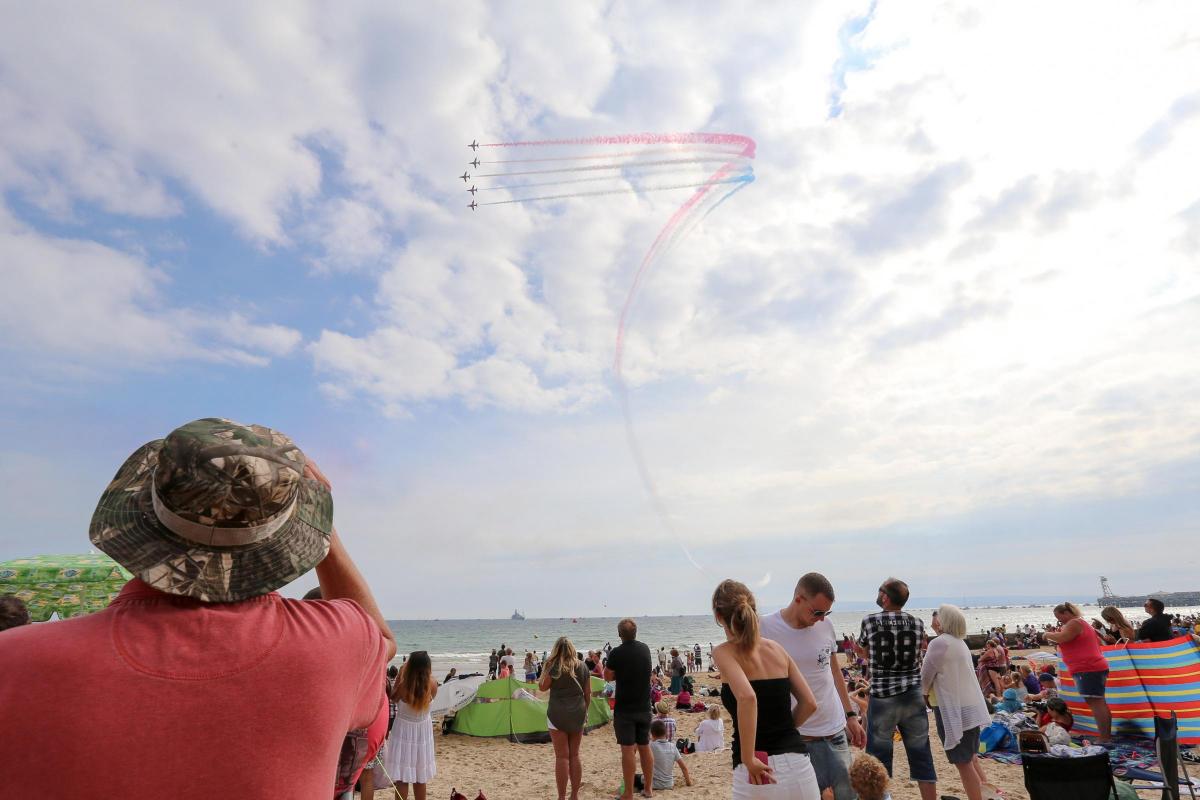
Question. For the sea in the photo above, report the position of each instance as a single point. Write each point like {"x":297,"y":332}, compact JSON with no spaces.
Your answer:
{"x":465,"y":644}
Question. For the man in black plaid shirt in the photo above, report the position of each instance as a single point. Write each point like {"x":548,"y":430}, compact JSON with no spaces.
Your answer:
{"x":892,"y":642}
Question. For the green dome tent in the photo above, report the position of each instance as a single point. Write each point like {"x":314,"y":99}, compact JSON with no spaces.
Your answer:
{"x":495,"y":713}
{"x":67,"y":585}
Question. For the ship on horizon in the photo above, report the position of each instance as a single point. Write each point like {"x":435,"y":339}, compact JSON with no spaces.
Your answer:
{"x":517,"y":614}
{"x":1107,"y":598}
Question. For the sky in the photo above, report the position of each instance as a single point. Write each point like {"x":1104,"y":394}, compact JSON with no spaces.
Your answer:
{"x":949,"y":333}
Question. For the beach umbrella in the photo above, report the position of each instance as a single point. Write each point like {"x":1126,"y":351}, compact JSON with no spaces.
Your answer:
{"x":71,"y":585}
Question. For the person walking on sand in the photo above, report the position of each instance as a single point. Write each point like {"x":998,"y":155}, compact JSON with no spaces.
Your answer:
{"x":950,"y":688}
{"x":758,"y":683}
{"x":567,"y":680}
{"x":409,"y":755}
{"x":804,"y":631}
{"x":630,"y":666}
{"x":891,"y":641}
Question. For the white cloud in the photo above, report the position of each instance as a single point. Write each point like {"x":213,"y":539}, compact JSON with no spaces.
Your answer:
{"x":87,"y":304}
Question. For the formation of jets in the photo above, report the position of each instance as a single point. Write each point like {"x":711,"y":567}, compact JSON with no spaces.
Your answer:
{"x":474,"y":145}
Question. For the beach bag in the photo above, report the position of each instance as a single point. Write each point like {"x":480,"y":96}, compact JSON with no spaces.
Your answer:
{"x":685,"y":745}
{"x":994,"y":737}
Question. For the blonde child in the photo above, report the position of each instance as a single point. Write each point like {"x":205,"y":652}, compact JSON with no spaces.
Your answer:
{"x":710,"y":733}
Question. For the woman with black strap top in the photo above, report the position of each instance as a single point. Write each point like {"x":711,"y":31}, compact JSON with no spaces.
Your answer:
{"x":759,"y":680}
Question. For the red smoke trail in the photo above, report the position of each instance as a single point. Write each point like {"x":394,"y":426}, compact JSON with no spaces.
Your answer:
{"x":743,"y":149}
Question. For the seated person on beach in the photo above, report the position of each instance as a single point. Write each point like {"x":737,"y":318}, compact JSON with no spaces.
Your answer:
{"x":1056,"y":721}
{"x":662,"y":711}
{"x":666,"y":756}
{"x":1010,"y":704}
{"x":1049,"y":688}
{"x":869,"y":778}
{"x":1017,"y":684}
{"x":684,"y":700}
{"x":710,"y":733}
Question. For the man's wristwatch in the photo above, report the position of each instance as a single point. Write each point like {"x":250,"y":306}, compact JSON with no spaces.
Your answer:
{"x":851,"y":714}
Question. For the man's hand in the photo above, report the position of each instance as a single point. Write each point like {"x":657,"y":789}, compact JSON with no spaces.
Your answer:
{"x":858,"y":736}
{"x":313,"y":472}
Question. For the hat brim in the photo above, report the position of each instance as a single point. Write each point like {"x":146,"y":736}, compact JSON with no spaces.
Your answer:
{"x":125,"y":527}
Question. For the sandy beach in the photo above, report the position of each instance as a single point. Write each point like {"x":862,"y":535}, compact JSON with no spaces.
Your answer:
{"x":506,"y":771}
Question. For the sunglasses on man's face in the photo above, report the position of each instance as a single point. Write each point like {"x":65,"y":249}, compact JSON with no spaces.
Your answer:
{"x":814,"y":611}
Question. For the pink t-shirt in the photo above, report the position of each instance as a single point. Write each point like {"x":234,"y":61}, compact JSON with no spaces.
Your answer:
{"x":160,"y":695}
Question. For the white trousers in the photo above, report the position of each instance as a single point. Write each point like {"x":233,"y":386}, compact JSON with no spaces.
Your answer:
{"x":794,"y":780}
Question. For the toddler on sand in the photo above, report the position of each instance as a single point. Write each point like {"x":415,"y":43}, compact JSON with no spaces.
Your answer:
{"x":868,"y":778}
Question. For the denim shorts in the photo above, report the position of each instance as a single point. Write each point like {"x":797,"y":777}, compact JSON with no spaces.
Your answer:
{"x":1090,"y":684}
{"x":830,"y":757}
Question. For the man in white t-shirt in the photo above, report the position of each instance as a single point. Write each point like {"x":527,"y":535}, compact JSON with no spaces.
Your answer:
{"x":809,"y":638}
{"x":509,"y":660}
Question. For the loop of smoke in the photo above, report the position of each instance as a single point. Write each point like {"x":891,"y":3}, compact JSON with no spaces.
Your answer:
{"x":732,"y":153}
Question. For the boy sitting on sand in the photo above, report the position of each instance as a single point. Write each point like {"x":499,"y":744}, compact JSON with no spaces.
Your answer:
{"x":868,"y":778}
{"x":666,"y":756}
{"x":662,"y":711}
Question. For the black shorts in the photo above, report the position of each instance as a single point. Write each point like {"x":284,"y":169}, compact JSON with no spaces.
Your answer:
{"x":632,"y":728}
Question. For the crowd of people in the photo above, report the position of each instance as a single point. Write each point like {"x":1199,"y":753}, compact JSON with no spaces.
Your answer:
{"x":249,"y":694}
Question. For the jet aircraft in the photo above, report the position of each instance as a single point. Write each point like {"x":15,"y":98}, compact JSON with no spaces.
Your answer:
{"x":475,"y":163}
{"x":473,"y":205}
{"x":474,"y":145}
{"x":464,"y":177}
{"x":472,"y":190}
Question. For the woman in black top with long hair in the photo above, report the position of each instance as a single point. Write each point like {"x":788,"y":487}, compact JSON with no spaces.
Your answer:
{"x":759,"y":680}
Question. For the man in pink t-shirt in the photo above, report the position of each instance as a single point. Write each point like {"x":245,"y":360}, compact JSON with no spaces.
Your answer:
{"x":199,"y":681}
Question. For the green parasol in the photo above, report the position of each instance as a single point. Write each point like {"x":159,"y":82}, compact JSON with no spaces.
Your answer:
{"x":71,"y":585}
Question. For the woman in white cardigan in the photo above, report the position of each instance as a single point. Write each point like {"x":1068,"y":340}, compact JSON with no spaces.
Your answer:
{"x":950,"y":687}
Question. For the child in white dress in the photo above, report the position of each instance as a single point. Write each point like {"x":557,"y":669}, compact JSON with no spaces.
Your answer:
{"x":710,"y":733}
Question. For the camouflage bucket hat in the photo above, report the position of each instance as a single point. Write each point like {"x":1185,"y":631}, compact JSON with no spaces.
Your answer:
{"x":218,"y":511}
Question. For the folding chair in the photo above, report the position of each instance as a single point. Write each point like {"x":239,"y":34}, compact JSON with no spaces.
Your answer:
{"x":1051,"y":778}
{"x":1166,"y":744}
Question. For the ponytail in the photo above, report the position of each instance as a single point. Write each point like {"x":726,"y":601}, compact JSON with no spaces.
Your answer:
{"x":734,"y":605}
